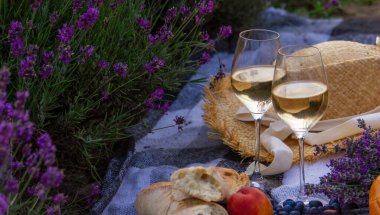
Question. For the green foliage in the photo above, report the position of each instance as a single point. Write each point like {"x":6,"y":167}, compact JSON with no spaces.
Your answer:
{"x":69,"y":104}
{"x":309,"y":8}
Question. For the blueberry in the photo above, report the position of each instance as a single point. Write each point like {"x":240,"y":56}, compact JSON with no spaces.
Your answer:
{"x":288,"y":208}
{"x":336,"y":206}
{"x":289,"y":202}
{"x":315,"y":203}
{"x":283,"y":213}
{"x":277,"y":207}
{"x":294,"y":212}
{"x":299,"y":206}
{"x":314,"y":210}
{"x":329,"y":207}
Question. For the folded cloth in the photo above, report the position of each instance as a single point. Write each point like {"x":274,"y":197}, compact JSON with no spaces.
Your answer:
{"x":329,"y":130}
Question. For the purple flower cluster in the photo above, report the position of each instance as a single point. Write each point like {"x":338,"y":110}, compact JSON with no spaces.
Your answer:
{"x":65,"y":33}
{"x":4,"y":204}
{"x":95,"y":191}
{"x":225,"y":31}
{"x":120,"y":69}
{"x":331,"y":3}
{"x":154,"y":65}
{"x":185,"y":11}
{"x":86,"y":53}
{"x":204,"y":58}
{"x":144,"y":24}
{"x":53,"y":18}
{"x":163,"y":34}
{"x":155,"y":101}
{"x":27,"y":67}
{"x":103,"y":64}
{"x":47,"y":68}
{"x":16,"y":128}
{"x":14,"y":35}
{"x":65,"y":54}
{"x":36,"y":4}
{"x":77,"y":5}
{"x":351,"y":175}
{"x":88,"y":19}
{"x":205,"y":7}
{"x":170,"y":15}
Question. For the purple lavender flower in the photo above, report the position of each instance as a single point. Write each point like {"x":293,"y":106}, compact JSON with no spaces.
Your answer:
{"x":105,"y":95}
{"x":52,"y":178}
{"x":103,"y":64}
{"x":185,"y":11}
{"x":32,"y":51}
{"x":77,"y":4}
{"x":65,"y":33}
{"x":165,"y":33}
{"x":94,"y":3}
{"x":31,"y":160}
{"x":205,"y":36}
{"x":26,"y":68}
{"x":53,"y":211}
{"x":40,"y":192}
{"x":65,"y":54}
{"x":36,"y":4}
{"x":225,"y":31}
{"x":88,"y":19}
{"x":26,"y":150}
{"x":87,"y":53}
{"x":164,"y":107}
{"x":144,"y":24}
{"x":198,"y":20}
{"x":46,"y":149}
{"x":154,"y":65}
{"x":11,"y":185}
{"x":59,"y":199}
{"x":120,"y":69}
{"x":30,"y":24}
{"x":4,"y":204}
{"x":95,"y":191}
{"x":47,"y":56}
{"x":15,"y":28}
{"x":17,"y":46}
{"x":171,"y":13}
{"x":17,"y":165}
{"x":153,"y":39}
{"x":158,"y":93}
{"x":53,"y":18}
{"x":5,"y":75}
{"x":205,"y":7}
{"x":204,"y":58}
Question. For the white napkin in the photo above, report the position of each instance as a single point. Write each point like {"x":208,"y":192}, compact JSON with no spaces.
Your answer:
{"x":329,"y":130}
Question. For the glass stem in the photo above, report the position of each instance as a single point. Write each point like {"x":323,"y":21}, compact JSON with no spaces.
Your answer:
{"x":302,"y":194}
{"x":257,"y":173}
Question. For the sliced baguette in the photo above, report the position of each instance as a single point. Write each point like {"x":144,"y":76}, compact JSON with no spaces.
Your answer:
{"x":157,"y":200}
{"x":215,"y":184}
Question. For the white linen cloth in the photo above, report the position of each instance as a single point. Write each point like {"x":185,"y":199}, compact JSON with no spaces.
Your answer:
{"x":324,"y":131}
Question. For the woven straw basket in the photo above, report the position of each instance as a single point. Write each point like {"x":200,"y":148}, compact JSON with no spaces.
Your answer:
{"x":353,"y":72}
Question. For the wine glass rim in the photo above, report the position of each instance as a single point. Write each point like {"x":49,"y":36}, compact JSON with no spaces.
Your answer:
{"x":276,"y":34}
{"x":282,"y":52}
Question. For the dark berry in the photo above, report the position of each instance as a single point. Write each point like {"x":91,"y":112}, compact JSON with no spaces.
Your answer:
{"x":287,"y":208}
{"x":294,"y":212}
{"x":289,"y":202}
{"x":314,"y":210}
{"x":299,"y":206}
{"x":277,"y":207}
{"x":315,"y":203}
{"x":283,"y":213}
{"x":336,"y":206}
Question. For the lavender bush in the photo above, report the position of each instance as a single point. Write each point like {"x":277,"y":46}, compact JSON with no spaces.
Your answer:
{"x":95,"y":67}
{"x":29,"y":175}
{"x":351,"y":176}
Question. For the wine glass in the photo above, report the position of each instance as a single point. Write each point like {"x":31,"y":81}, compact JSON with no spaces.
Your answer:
{"x":251,"y":80}
{"x":300,"y":95}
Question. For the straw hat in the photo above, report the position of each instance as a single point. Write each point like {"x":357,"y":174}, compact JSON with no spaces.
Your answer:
{"x":353,"y":72}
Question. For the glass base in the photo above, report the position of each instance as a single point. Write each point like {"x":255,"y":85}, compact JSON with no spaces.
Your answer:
{"x":257,"y":181}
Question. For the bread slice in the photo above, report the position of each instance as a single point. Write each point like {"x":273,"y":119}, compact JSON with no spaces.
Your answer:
{"x":157,"y":200}
{"x":199,"y":182}
{"x":209,"y":184}
{"x":196,"y":207}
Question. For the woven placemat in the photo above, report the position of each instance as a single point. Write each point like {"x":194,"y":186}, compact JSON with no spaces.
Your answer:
{"x":353,"y":71}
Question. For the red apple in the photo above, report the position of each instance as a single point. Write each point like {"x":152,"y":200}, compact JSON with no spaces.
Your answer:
{"x":249,"y":201}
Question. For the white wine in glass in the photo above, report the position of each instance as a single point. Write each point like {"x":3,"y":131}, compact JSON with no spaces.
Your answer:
{"x":300,"y":95}
{"x":251,"y":80}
